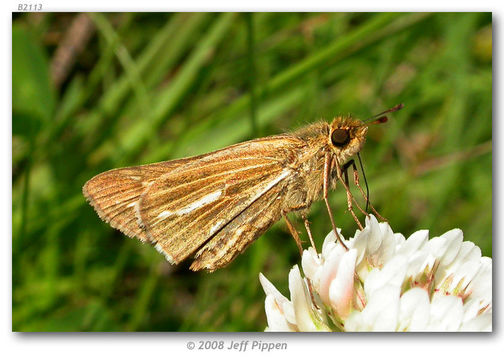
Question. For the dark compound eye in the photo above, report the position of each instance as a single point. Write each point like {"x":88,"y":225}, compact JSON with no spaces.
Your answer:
{"x":340,"y":137}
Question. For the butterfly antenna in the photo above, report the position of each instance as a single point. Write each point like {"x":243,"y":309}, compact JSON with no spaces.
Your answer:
{"x":380,"y":118}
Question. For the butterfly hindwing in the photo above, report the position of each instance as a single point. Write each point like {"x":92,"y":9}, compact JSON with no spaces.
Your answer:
{"x":240,"y":232}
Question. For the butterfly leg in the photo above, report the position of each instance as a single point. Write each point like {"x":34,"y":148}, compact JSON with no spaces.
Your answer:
{"x":294,"y":233}
{"x":347,"y":187}
{"x":308,"y":231}
{"x":350,"y":198}
{"x":327,"y":172}
{"x":357,"y":183}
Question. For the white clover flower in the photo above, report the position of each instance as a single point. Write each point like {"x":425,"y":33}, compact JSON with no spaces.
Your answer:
{"x":384,"y":282}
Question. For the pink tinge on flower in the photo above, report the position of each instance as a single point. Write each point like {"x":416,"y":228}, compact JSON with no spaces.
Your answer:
{"x":385,"y":282}
{"x":329,"y":271}
{"x":332,"y":274}
{"x":341,"y":287}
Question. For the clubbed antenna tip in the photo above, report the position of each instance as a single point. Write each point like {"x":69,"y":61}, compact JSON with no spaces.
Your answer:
{"x":379,"y":118}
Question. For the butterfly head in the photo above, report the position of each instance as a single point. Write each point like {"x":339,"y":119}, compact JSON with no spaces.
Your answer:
{"x":347,"y":137}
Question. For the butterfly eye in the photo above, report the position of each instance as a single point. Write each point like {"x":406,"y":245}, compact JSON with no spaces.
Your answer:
{"x":340,"y":137}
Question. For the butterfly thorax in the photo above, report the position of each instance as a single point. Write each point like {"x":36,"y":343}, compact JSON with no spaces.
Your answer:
{"x":340,"y":141}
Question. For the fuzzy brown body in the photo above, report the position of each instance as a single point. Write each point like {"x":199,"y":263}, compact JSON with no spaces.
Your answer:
{"x":215,"y":205}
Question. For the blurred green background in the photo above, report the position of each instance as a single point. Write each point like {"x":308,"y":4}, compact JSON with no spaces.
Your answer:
{"x":93,"y":92}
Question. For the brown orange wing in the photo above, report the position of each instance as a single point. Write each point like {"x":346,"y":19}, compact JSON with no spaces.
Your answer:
{"x":185,"y":208}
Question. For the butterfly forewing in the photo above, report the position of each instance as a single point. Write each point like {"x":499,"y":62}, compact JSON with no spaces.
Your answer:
{"x":183,"y":209}
{"x":115,"y":193}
